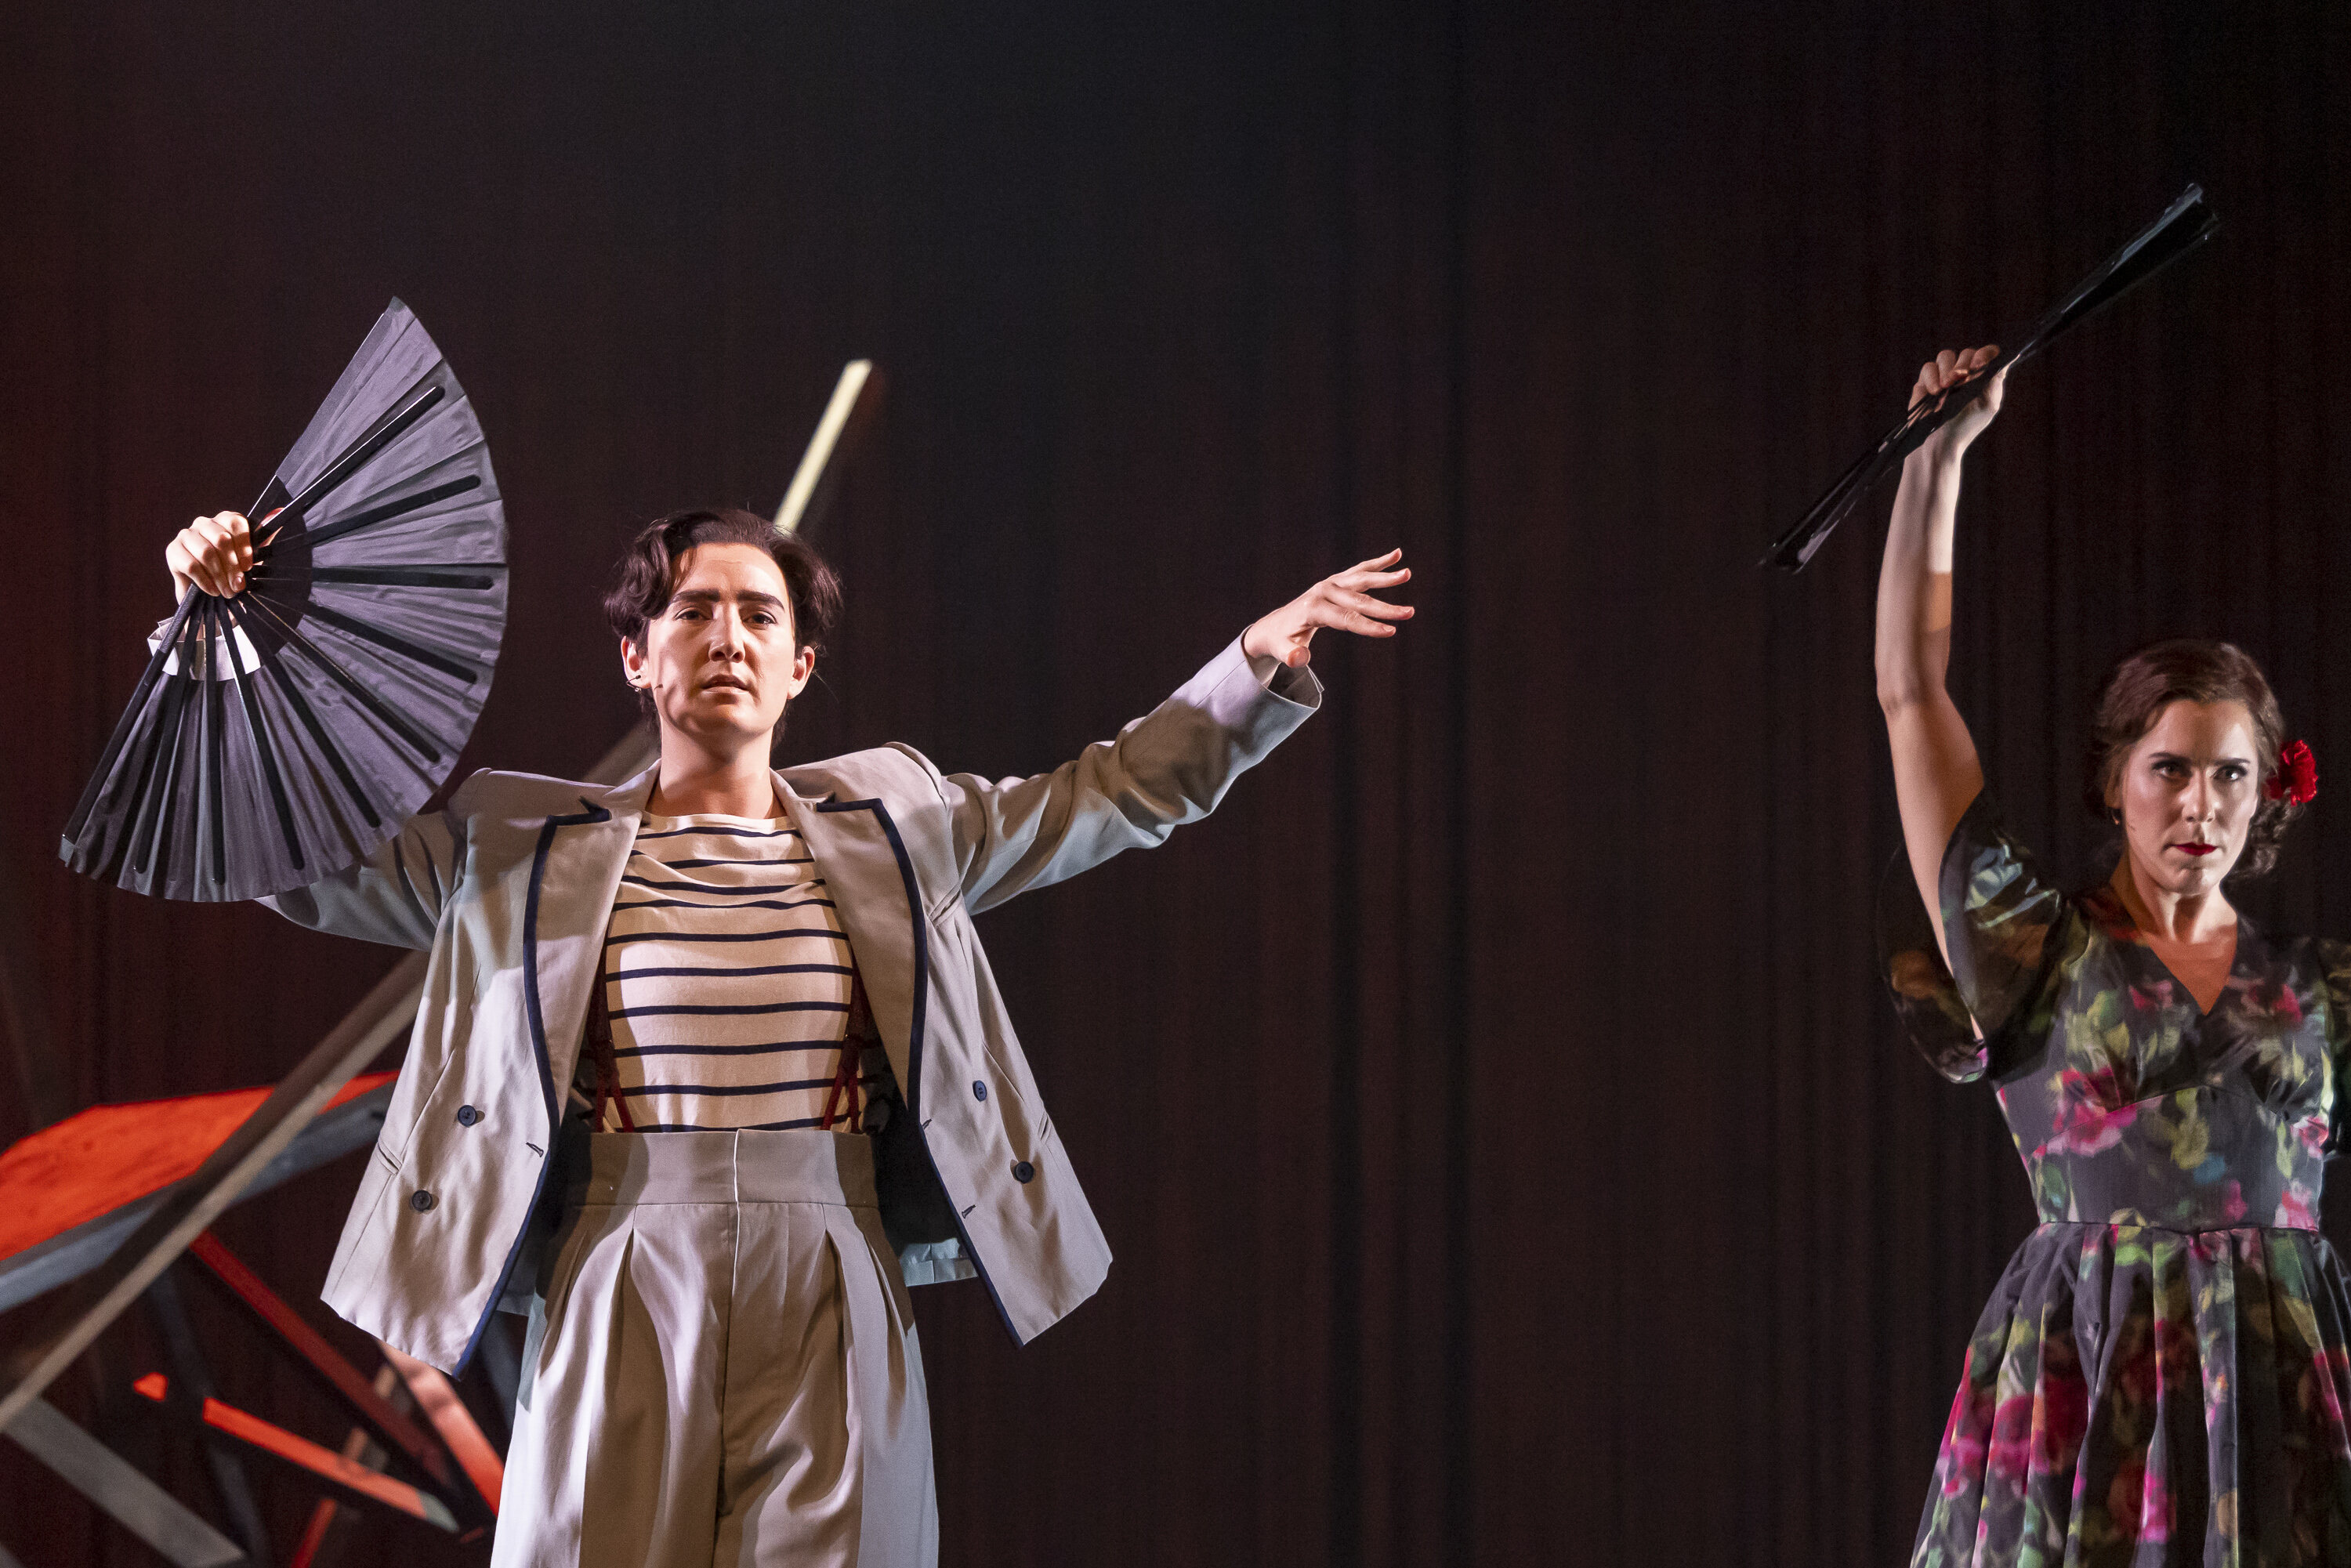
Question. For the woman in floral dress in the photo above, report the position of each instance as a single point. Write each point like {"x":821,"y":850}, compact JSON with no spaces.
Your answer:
{"x":2162,"y":1376}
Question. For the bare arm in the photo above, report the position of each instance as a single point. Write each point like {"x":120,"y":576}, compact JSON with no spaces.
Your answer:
{"x":1936,"y":774}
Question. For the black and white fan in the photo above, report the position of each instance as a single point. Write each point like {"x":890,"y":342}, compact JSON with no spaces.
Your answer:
{"x":282,"y":733}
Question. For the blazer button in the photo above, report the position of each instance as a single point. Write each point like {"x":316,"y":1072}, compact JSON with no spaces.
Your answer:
{"x":467,"y":1115}
{"x":978,"y":1089}
{"x":1022,"y":1171}
{"x":420,"y":1200}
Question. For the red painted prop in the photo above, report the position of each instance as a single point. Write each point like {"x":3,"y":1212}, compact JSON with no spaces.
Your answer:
{"x":347,"y":1475}
{"x":94,"y":1163}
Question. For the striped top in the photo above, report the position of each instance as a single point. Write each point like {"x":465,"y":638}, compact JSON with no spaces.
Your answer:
{"x":727,"y":980}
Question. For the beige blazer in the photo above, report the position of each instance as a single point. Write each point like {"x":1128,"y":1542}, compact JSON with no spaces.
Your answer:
{"x":510,"y":889}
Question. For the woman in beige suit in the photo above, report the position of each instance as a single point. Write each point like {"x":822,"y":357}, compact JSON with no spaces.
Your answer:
{"x":751,"y":1006}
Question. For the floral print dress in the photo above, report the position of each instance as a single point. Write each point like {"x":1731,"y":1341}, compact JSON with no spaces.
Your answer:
{"x":2162,"y":1376}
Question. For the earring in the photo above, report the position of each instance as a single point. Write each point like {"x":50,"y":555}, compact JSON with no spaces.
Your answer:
{"x":2115,"y":815}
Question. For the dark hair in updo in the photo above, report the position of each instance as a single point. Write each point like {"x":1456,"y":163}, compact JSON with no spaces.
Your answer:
{"x":647,"y":574}
{"x":2197,"y":670}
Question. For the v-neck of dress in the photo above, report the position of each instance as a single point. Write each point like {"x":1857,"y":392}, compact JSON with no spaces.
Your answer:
{"x":2118,"y":923}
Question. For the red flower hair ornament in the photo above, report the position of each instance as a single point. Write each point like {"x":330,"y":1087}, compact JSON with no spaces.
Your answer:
{"x":2296,"y":778}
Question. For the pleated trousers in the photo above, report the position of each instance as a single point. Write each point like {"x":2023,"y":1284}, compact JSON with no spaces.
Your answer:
{"x":723,"y":1369}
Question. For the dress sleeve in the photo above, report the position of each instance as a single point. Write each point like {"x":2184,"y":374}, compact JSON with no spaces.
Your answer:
{"x":1926,"y":999}
{"x":2003,"y":920}
{"x":2334,"y":981}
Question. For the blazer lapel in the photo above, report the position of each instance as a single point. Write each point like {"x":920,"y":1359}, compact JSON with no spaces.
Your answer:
{"x":574,"y":877}
{"x":858,"y":852}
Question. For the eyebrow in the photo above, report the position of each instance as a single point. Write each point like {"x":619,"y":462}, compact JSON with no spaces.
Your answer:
{"x":2216,"y":762}
{"x":712,"y":596}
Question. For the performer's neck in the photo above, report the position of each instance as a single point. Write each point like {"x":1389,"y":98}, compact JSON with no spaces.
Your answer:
{"x":695,"y":781}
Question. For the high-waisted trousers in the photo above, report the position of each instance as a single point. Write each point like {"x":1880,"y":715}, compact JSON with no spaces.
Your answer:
{"x":723,"y":1369}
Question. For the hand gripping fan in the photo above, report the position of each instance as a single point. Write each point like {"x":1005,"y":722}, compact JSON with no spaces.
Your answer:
{"x":282,"y":733}
{"x":2185,"y":225}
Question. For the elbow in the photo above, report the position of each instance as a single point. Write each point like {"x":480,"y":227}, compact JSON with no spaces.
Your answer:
{"x":1903,"y":685}
{"x":1896,"y":693}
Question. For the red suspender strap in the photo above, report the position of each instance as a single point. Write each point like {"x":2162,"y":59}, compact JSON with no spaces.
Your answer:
{"x":608,"y":1066}
{"x":846,"y":1074}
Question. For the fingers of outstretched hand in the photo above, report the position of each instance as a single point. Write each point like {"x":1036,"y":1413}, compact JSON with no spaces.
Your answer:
{"x":1366,"y":582}
{"x":1345,"y":599}
{"x":1344,"y":610}
{"x":1381,"y":571}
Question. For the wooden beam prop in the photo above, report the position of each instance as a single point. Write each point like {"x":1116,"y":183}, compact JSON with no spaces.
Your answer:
{"x":191,"y":1382}
{"x":348,"y":1383}
{"x":458,"y":1431}
{"x":353,"y":1480}
{"x":115,"y":1485}
{"x":847,"y":415}
{"x":83,"y":1186}
{"x":101,"y":1296}
{"x":331,"y":1521}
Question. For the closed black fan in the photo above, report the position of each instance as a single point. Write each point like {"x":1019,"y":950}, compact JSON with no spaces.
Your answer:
{"x":2185,"y":225}
{"x":282,"y":733}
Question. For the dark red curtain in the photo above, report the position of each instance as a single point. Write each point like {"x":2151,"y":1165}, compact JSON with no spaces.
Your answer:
{"x":1506,"y":1147}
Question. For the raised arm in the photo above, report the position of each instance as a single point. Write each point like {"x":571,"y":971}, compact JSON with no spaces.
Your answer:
{"x":1174,"y":764}
{"x":1936,"y":774}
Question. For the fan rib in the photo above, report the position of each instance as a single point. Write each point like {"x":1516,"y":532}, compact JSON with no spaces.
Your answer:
{"x":302,"y":710}
{"x":128,"y":721}
{"x":127,"y":798}
{"x":400,"y":577}
{"x":356,"y":456}
{"x":397,"y":643}
{"x":154,"y":829}
{"x":392,"y":509}
{"x":257,"y":719}
{"x":351,"y":684}
{"x":212,"y":798}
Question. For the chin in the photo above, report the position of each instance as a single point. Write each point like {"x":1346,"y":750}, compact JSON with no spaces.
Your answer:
{"x":720,"y":721}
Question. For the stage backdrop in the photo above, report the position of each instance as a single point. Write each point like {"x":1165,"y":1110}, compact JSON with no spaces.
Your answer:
{"x":1503,"y":1139}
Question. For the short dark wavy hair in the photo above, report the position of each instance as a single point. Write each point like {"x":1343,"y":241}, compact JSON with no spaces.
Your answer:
{"x":2198,"y":670}
{"x":647,"y":573}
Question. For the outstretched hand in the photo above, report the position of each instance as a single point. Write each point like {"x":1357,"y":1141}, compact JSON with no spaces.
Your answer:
{"x":1342,"y":601}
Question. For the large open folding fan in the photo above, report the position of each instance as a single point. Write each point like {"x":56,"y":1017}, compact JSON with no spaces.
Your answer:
{"x":283,"y":733}
{"x":2185,"y":225}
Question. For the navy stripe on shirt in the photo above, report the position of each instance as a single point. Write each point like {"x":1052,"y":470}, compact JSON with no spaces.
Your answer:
{"x":724,"y":935}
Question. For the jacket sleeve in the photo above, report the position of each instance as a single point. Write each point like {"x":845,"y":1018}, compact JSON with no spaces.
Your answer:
{"x":1170,"y":767}
{"x":395,"y":895}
